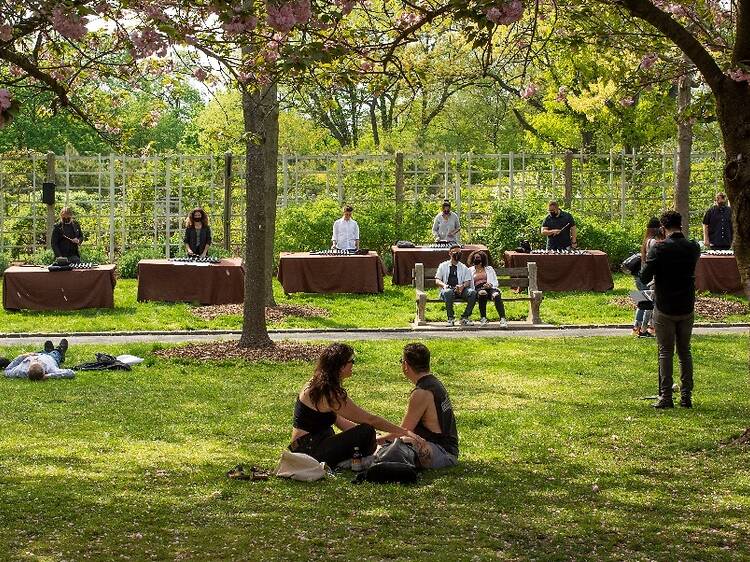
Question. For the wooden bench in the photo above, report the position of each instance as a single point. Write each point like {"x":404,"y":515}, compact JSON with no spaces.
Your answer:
{"x":522,"y":277}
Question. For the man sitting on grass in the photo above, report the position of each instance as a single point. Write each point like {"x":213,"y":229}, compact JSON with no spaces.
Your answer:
{"x":429,"y":413}
{"x":37,"y":366}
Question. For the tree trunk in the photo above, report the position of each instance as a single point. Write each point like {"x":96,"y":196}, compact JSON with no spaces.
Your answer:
{"x":255,"y":110}
{"x":733,"y":110}
{"x":374,"y":122}
{"x":684,"y":150}
{"x":272,"y":159}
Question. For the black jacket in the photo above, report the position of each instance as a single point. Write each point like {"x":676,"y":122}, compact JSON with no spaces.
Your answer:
{"x":61,"y":246}
{"x":672,"y":265}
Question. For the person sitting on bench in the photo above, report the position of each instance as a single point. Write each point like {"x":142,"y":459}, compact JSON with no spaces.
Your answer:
{"x":429,"y":413}
{"x":485,"y":284}
{"x":323,"y":402}
{"x":455,"y":282}
{"x":41,"y":365}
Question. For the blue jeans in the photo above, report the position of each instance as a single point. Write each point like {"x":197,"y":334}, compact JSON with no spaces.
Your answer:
{"x":642,"y":317}
{"x":56,"y":355}
{"x":448,"y":296}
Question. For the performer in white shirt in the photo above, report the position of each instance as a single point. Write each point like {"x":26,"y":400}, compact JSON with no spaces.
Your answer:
{"x":345,"y":232}
{"x":446,"y":225}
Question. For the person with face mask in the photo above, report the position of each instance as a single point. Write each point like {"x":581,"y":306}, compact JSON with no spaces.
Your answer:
{"x":717,"y":225}
{"x":197,"y":233}
{"x":455,"y":283}
{"x":446,"y":225}
{"x":560,"y":228}
{"x":67,"y":236}
{"x":485,"y":284}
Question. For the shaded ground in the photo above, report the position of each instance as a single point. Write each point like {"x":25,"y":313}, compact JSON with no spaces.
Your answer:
{"x":273,"y":313}
{"x":227,"y":350}
{"x":710,"y":308}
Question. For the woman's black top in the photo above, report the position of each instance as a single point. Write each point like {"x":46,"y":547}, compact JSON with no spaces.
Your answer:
{"x":197,"y":239}
{"x":312,"y":421}
{"x":61,"y":233}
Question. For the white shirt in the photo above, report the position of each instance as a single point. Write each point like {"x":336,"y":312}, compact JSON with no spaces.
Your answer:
{"x":345,"y":234}
{"x":462,"y":272}
{"x":442,"y":225}
{"x":491,"y":275}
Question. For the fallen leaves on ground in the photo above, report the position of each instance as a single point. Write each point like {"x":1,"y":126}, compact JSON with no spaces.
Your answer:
{"x":273,"y":313}
{"x":280,"y":351}
{"x":713,"y":308}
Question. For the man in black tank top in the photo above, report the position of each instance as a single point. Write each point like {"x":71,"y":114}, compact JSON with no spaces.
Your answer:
{"x":430,"y":412}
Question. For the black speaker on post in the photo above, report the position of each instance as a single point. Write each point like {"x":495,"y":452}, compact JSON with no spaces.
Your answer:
{"x":48,"y":193}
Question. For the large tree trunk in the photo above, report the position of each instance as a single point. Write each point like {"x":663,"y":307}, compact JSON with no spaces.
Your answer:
{"x":684,"y":150}
{"x":272,"y":159}
{"x":256,"y":109}
{"x":733,"y":109}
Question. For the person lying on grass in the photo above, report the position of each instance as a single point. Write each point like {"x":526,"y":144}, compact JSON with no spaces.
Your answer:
{"x":323,"y":403}
{"x":429,"y":413}
{"x":41,"y":365}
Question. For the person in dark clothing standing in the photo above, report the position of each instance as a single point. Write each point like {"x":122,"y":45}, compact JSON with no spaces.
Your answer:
{"x":429,"y":413}
{"x":717,"y":225}
{"x":67,"y":236}
{"x":560,"y":228}
{"x":672,"y":266}
{"x":197,"y":233}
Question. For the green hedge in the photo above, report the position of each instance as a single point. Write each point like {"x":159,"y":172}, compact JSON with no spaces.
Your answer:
{"x":88,"y":254}
{"x":4,"y":262}
{"x":127,"y":264}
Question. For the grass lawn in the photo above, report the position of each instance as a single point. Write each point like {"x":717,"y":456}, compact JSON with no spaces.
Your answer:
{"x":131,"y":465}
{"x":393,"y":308}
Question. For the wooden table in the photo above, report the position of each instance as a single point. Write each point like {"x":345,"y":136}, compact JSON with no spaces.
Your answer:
{"x":302,"y":272}
{"x":567,"y":272}
{"x":405,"y":258}
{"x":169,"y":281}
{"x":37,"y":288}
{"x":718,"y":274}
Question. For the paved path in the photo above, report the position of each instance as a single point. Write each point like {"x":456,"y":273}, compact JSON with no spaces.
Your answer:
{"x":520,"y":331}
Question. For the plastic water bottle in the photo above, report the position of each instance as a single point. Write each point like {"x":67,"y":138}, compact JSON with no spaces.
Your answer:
{"x":356,"y":460}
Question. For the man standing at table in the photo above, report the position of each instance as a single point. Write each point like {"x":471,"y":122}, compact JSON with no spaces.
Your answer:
{"x":446,"y":225}
{"x":717,"y":225}
{"x":67,"y":236}
{"x":560,"y":228}
{"x":345,"y":231}
{"x":671,"y":265}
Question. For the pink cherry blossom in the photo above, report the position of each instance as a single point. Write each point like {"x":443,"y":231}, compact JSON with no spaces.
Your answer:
{"x":239,"y":24}
{"x":302,"y":10}
{"x":69,"y":25}
{"x":505,"y":13}
{"x":6,"y":32}
{"x":5,"y":99}
{"x":529,"y":91}
{"x":627,"y":102}
{"x":562,"y":94}
{"x":200,"y":74}
{"x":648,"y":60}
{"x":406,"y":20}
{"x":281,"y":18}
{"x":148,"y":42}
{"x":739,"y":75}
{"x":345,"y":5}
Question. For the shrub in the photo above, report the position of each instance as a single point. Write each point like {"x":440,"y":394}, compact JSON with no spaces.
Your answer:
{"x":609,"y":237}
{"x":41,"y":257}
{"x":127,"y":265}
{"x":4,"y":263}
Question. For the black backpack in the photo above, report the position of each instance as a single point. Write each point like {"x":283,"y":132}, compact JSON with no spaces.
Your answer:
{"x":395,"y":463}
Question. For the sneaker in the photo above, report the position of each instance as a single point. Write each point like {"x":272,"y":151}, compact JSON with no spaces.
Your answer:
{"x":646,"y":335}
{"x":663,"y":404}
{"x":503,"y":323}
{"x":636,"y":331}
{"x":48,"y":346}
{"x":63,"y":347}
{"x":451,"y":322}
{"x":686,"y":402}
{"x":466,"y":322}
{"x":483,"y":321}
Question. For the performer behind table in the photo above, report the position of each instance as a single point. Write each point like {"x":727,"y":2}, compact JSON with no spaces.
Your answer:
{"x":446,"y":225}
{"x":717,"y":225}
{"x":197,"y":233}
{"x":345,"y":231}
{"x":560,"y":228}
{"x":67,"y":236}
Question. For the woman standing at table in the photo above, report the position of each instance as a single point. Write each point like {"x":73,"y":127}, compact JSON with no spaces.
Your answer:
{"x":197,"y":233}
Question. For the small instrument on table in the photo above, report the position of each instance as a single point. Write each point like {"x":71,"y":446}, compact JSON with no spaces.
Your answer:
{"x":84,"y":265}
{"x":196,"y":259}
{"x":337,"y":252}
{"x":719,"y":252}
{"x":442,"y":245}
{"x":561,"y":252}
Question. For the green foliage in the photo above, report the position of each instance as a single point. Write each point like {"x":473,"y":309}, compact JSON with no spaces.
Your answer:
{"x":127,"y":265}
{"x":41,"y":257}
{"x":609,"y":237}
{"x":4,"y":262}
{"x":88,"y":254}
{"x":308,"y":227}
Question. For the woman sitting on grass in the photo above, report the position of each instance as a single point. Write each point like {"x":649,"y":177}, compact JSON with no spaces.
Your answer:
{"x":323,"y":402}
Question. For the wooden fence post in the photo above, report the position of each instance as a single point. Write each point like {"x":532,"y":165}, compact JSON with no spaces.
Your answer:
{"x":568,"y":178}
{"x":50,"y":178}
{"x":227,"y":199}
{"x":399,"y":193}
{"x":112,"y":208}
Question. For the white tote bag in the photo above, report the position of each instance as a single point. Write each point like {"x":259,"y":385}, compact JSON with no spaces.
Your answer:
{"x":299,"y":466}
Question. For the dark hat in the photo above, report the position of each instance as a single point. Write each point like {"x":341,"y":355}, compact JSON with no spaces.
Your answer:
{"x":653,"y":222}
{"x":446,"y":202}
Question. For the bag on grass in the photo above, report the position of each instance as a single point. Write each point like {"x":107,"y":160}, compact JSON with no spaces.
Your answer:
{"x":631,"y":264}
{"x":395,"y":463}
{"x":299,"y":466}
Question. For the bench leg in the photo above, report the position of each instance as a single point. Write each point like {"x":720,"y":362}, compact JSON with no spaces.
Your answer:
{"x":534,"y":304}
{"x":421,"y":304}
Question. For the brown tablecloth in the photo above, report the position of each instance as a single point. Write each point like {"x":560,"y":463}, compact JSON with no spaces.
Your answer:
{"x":164,"y":280}
{"x":718,"y":274}
{"x":303,"y":272}
{"x":37,"y":288}
{"x":405,"y":258}
{"x":567,"y":272}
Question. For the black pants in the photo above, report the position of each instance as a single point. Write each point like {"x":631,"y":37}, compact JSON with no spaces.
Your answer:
{"x":483,"y":295}
{"x":332,"y":448}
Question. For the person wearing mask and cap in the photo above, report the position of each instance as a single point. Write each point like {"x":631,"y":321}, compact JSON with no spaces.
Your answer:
{"x":717,"y":225}
{"x":560,"y":228}
{"x":197,"y":233}
{"x":455,"y":283}
{"x":446,"y":225}
{"x":67,"y":236}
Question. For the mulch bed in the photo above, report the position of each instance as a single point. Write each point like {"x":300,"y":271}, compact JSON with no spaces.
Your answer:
{"x":712,"y":308}
{"x":218,"y":351}
{"x":273,"y":313}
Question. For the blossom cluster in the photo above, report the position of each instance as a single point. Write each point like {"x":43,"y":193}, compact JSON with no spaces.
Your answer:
{"x":147,"y":43}
{"x":5,"y":99}
{"x":505,"y":13}
{"x":406,"y":20}
{"x":283,"y":17}
{"x":69,"y":24}
{"x":739,"y":75}
{"x":239,"y":24}
{"x":529,"y":91}
{"x":648,"y":60}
